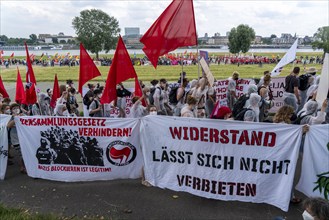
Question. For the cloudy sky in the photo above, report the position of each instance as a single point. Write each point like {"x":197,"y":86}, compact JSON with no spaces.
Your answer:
{"x":22,"y":18}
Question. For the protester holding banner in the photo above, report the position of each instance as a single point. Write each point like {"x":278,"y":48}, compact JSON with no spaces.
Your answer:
{"x":252,"y":114}
{"x":310,"y":115}
{"x":16,"y":111}
{"x":231,"y":90}
{"x":291,"y":95}
{"x":137,"y":110}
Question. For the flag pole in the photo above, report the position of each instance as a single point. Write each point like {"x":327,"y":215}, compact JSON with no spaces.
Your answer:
{"x":181,"y":75}
{"x":197,"y":55}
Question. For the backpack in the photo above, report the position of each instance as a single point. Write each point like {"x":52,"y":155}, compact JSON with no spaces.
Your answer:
{"x":173,"y":95}
{"x":303,"y":82}
{"x":240,"y":115}
{"x":86,"y":101}
{"x":300,"y":118}
{"x":92,"y":115}
{"x":152,"y":91}
{"x":238,"y":106}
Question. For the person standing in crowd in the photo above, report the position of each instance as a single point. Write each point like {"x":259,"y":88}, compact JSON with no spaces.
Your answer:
{"x":231,"y":90}
{"x":122,"y":94}
{"x":89,"y":96}
{"x":284,"y":114}
{"x":266,"y":98}
{"x":313,"y":88}
{"x":189,"y":109}
{"x":291,"y":95}
{"x":211,"y":100}
{"x":152,"y":110}
{"x":137,"y":110}
{"x":96,"y":108}
{"x":180,"y":96}
{"x":305,"y":81}
{"x":42,"y":107}
{"x":72,"y":104}
{"x":261,"y":81}
{"x":252,"y":114}
{"x":200,"y":94}
{"x":310,"y":115}
{"x":223,"y":113}
{"x":61,"y":110}
{"x":159,"y":97}
{"x":16,"y":111}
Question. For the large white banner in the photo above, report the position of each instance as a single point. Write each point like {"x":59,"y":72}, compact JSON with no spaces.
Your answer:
{"x":225,"y":160}
{"x":314,"y":180}
{"x":80,"y":149}
{"x":4,"y":119}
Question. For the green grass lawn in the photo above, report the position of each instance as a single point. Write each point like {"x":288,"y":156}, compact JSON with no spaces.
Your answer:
{"x":148,"y":73}
{"x":21,"y":214}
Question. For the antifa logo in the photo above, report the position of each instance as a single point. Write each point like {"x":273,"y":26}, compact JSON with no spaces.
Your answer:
{"x":121,"y":153}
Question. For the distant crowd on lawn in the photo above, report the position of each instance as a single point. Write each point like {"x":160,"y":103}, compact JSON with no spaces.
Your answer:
{"x":168,"y":59}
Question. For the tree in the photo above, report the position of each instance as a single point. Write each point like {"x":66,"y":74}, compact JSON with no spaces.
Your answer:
{"x":273,"y":36}
{"x":62,"y":42}
{"x":96,"y":30}
{"x":3,"y":38}
{"x":321,"y":39}
{"x":240,"y":38}
{"x":33,"y":38}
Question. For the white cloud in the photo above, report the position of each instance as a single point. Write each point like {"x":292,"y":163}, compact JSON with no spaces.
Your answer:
{"x":22,"y":18}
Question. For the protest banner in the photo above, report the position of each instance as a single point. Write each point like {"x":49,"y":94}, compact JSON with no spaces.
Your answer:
{"x":221,"y":89}
{"x":277,"y":87}
{"x":224,"y":160}
{"x":314,"y":180}
{"x":4,"y":119}
{"x":80,"y":149}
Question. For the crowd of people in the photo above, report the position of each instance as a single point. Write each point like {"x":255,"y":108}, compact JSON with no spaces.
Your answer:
{"x":184,"y":98}
{"x":169,"y":59}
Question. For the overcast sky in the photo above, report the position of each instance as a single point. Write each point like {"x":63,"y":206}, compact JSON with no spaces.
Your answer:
{"x":22,"y":18}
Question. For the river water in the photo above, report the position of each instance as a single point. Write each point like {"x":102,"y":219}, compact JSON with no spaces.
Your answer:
{"x":139,"y":51}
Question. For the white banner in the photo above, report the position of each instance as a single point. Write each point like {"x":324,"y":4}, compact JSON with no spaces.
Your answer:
{"x":277,"y":87}
{"x":314,"y":180}
{"x":225,"y":160}
{"x":4,"y":119}
{"x":80,"y":149}
{"x":324,"y":81}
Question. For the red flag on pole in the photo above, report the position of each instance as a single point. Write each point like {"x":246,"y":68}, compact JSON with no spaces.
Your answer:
{"x":88,"y":69}
{"x":12,"y":55}
{"x":56,"y":93}
{"x":3,"y":90}
{"x":174,"y":28}
{"x":29,"y":74}
{"x":121,"y":70}
{"x":31,"y":95}
{"x":20,"y":94}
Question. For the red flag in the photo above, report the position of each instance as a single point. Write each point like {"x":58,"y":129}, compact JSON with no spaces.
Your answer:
{"x":3,"y":90}
{"x":20,"y":94}
{"x":174,"y":28}
{"x":88,"y":69}
{"x":12,"y":55}
{"x":138,"y":91}
{"x":31,"y":95}
{"x":29,"y":74}
{"x":56,"y":93}
{"x":121,"y":70}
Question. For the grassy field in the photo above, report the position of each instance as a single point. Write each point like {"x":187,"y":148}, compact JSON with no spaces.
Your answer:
{"x":21,"y":214}
{"x":148,"y":73}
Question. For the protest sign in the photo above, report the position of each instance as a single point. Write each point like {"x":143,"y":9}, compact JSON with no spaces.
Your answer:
{"x":277,"y":87}
{"x":322,"y":92}
{"x":4,"y":119}
{"x":314,"y":180}
{"x":80,"y":149}
{"x":224,"y":160}
{"x":207,"y":71}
